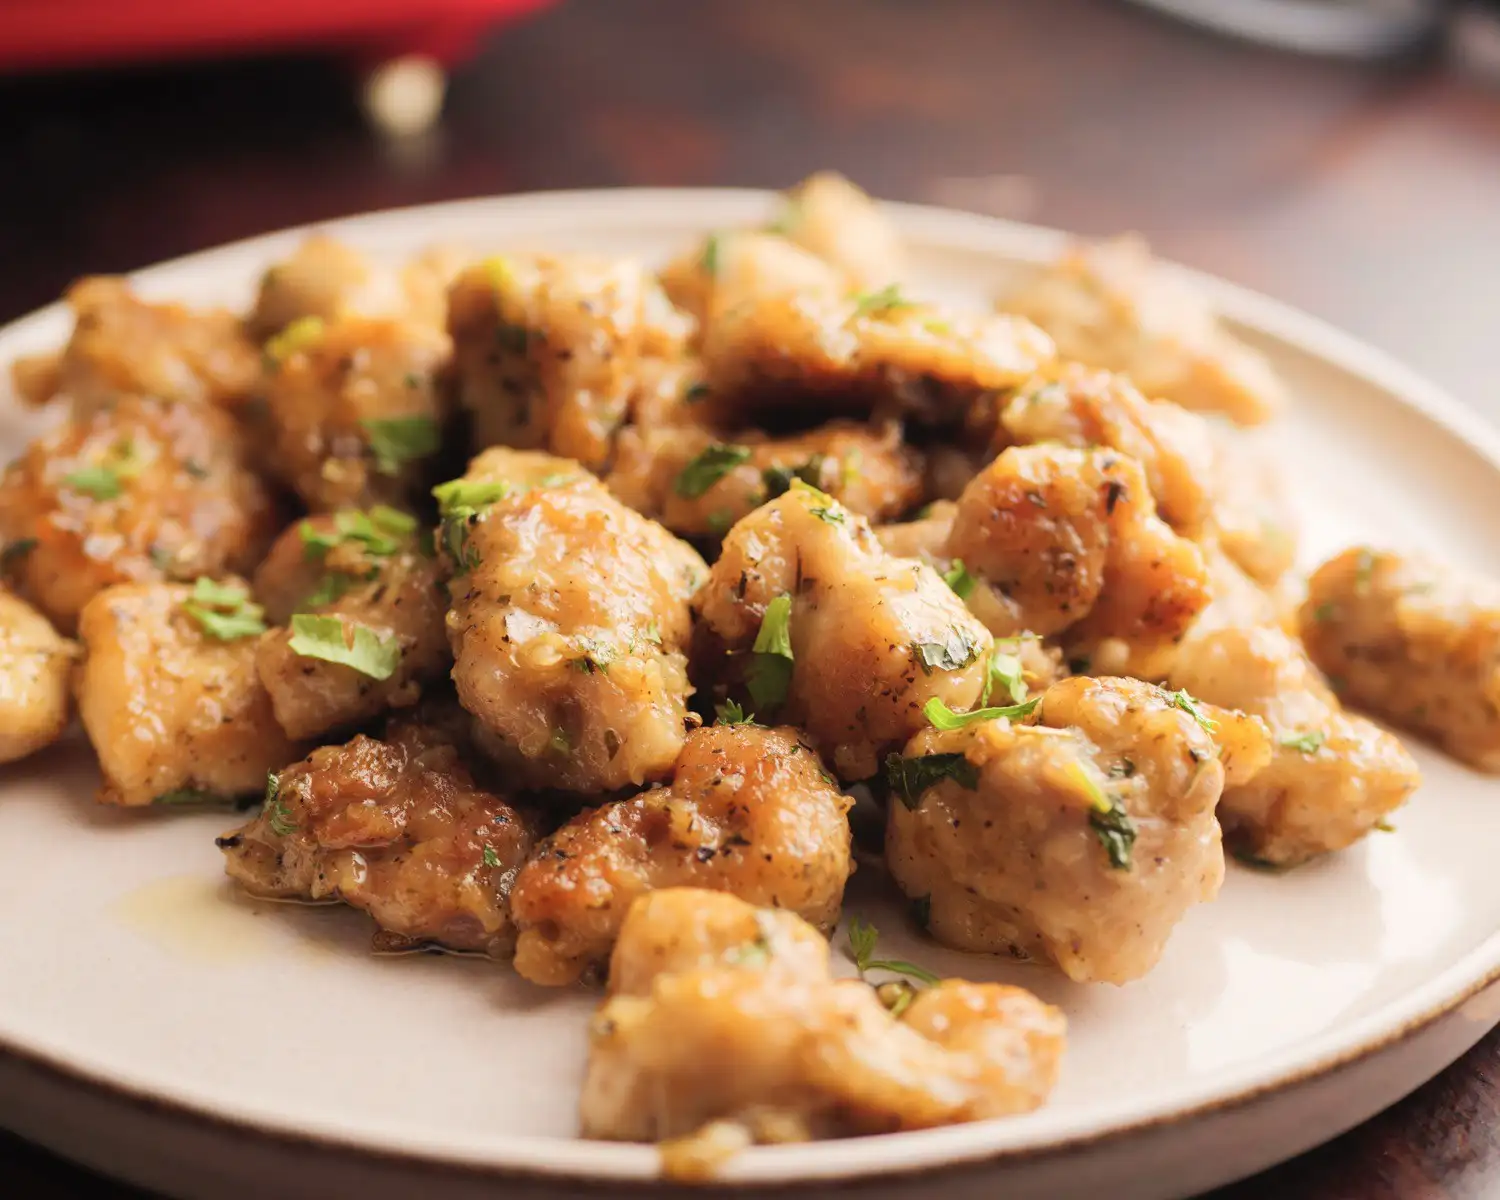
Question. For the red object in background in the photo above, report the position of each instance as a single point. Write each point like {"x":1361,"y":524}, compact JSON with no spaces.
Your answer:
{"x":41,"y":34}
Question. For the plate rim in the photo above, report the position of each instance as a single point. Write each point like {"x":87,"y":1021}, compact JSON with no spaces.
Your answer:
{"x":912,"y":1153}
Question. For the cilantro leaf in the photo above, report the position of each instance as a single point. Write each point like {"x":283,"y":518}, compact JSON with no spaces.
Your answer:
{"x":491,"y":858}
{"x":958,"y":578}
{"x":1006,"y":673}
{"x":778,"y":479}
{"x":399,"y":440}
{"x":1116,"y":832}
{"x":863,"y":938}
{"x":470,"y":493}
{"x":1309,"y":742}
{"x":708,"y":468}
{"x":299,"y":335}
{"x":730,"y":713}
{"x":883,"y":300}
{"x":102,"y":482}
{"x":940,"y":716}
{"x":15,"y":552}
{"x":224,"y":611}
{"x":364,"y":651}
{"x":958,"y":649}
{"x":708,"y":262}
{"x":909,"y":778}
{"x":1189,"y":705}
{"x":278,"y":816}
{"x":769,"y":676}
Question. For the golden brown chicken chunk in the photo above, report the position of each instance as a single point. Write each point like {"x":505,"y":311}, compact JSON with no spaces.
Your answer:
{"x":832,"y":634}
{"x":1333,"y":777}
{"x":169,"y":696}
{"x":1108,"y":304}
{"x":327,"y":279}
{"x":125,"y":346}
{"x":735,"y":266}
{"x":546,"y":349}
{"x":355,"y":409}
{"x":696,"y":481}
{"x":1415,"y":642}
{"x":725,"y":1027}
{"x":361,"y":611}
{"x":1064,"y":541}
{"x":748,"y":810}
{"x":832,"y":218}
{"x":1081,"y":839}
{"x":871,"y":352}
{"x":397,"y":827}
{"x":139,"y":490}
{"x":36,"y":668}
{"x":568,"y":621}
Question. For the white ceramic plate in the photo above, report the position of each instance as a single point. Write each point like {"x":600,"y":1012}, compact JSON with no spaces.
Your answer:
{"x":155,"y":1024}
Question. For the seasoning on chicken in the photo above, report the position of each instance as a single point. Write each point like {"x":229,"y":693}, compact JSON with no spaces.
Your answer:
{"x":1081,"y":839}
{"x":1108,"y":304}
{"x":169,"y":696}
{"x":1332,"y":777}
{"x":36,"y":667}
{"x":568,"y":622}
{"x":1412,"y":641}
{"x":748,"y":810}
{"x":122,"y":345}
{"x":546,"y":349}
{"x":140,"y":490}
{"x":397,"y":827}
{"x":360,"y":615}
{"x":734,"y":266}
{"x":699,"y":482}
{"x":724,"y":1027}
{"x":834,"y":635}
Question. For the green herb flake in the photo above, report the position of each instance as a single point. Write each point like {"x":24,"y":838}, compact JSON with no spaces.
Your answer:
{"x":190,"y":795}
{"x":491,"y":859}
{"x":779,"y":479}
{"x":909,"y":778}
{"x":1384,"y":826}
{"x":957,"y":650}
{"x":863,"y":939}
{"x":695,"y":393}
{"x":325,"y":638}
{"x":470,"y":493}
{"x":15,"y":552}
{"x":1004,"y":674}
{"x":102,"y":482}
{"x":958,"y":578}
{"x":719,"y":522}
{"x":1308,"y":743}
{"x":301,"y":334}
{"x":708,"y":468}
{"x":1325,"y":612}
{"x":1180,"y":699}
{"x":400,"y":440}
{"x":334,"y":586}
{"x":708,"y":261}
{"x":882,"y":301}
{"x":769,"y":675}
{"x":730,"y":713}
{"x":1116,"y":832}
{"x":921,"y":911}
{"x":278,"y":816}
{"x":940,"y":716}
{"x":224,"y":611}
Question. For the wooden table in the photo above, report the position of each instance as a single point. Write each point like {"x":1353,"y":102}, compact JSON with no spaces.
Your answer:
{"x":1370,"y":196}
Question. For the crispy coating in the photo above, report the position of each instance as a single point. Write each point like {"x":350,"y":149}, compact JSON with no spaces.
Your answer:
{"x":326,"y":279}
{"x":866,"y":467}
{"x":1108,"y":304}
{"x":1413,"y":641}
{"x":397,"y":827}
{"x":170,"y":709}
{"x":733,"y":1031}
{"x":568,"y":621}
{"x":125,"y":346}
{"x":861,"y":354}
{"x":748,"y":810}
{"x":396,"y":593}
{"x":546,"y":349}
{"x":338,"y":392}
{"x":873,"y":637}
{"x":1068,"y":542}
{"x":735,"y":266}
{"x":1021,"y":862}
{"x":36,"y":666}
{"x":1333,"y":776}
{"x":832,"y":218}
{"x":139,"y":490}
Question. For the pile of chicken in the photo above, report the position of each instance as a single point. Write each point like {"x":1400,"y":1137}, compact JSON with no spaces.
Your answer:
{"x":730,"y":539}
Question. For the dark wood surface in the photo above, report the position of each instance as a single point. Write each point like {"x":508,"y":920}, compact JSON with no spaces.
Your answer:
{"x":1368,"y":195}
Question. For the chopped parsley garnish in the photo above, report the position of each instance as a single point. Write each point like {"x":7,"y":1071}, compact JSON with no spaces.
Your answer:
{"x":400,"y":440}
{"x":596,"y":657}
{"x":958,"y":578}
{"x":695,"y":393}
{"x":829,"y":516}
{"x":377,"y":531}
{"x":1383,"y":826}
{"x":1182,"y":700}
{"x":299,"y":335}
{"x":224,"y":611}
{"x":190,"y":795}
{"x":719,"y":521}
{"x":332,"y":587}
{"x":1309,"y":742}
{"x":105,"y":480}
{"x":278,"y":816}
{"x":708,"y":468}
{"x":779,"y":479}
{"x":788,"y":219}
{"x":512,"y":338}
{"x":863,"y":938}
{"x":491,"y":859}
{"x":364,"y":651}
{"x":921,"y":911}
{"x":708,"y":262}
{"x":730,"y":713}
{"x":940,"y":716}
{"x":770,"y":672}
{"x":1325,"y":612}
{"x":1116,"y":833}
{"x":15,"y":551}
{"x":883,"y":300}
{"x":470,"y":493}
{"x":1005,"y":674}
{"x":909,"y":778}
{"x":956,"y":650}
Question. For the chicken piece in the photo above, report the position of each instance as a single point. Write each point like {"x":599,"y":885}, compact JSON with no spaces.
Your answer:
{"x":1081,"y":839}
{"x":833,"y":634}
{"x":950,"y":469}
{"x":1068,"y":542}
{"x":834,"y":219}
{"x":380,"y":594}
{"x":169,"y":696}
{"x":1108,"y":304}
{"x":875,"y":351}
{"x":546,"y":349}
{"x":748,"y":811}
{"x":125,"y":346}
{"x":924,"y":537}
{"x":667,"y":392}
{"x":1413,"y":641}
{"x":1254,"y":519}
{"x":734,"y":267}
{"x":36,"y":667}
{"x":568,"y":621}
{"x":732,"y":1030}
{"x":397,"y":827}
{"x":355,"y":409}
{"x":696,"y":481}
{"x":326,"y":279}
{"x":142,"y":490}
{"x":1333,"y":776}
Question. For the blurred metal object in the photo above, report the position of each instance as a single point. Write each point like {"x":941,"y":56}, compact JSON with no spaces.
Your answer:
{"x":1346,"y":28}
